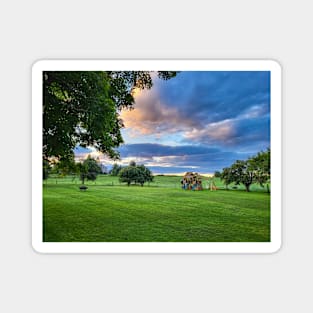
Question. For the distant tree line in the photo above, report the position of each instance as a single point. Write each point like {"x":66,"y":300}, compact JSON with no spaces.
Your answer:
{"x":256,"y":169}
{"x":90,"y":168}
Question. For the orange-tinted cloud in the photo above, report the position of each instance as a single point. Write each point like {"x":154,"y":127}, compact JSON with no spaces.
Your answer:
{"x":151,"y":116}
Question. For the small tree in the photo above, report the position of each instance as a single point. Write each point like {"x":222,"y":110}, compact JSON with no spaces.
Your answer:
{"x":132,"y":163}
{"x":128,"y":174}
{"x":226,"y":176}
{"x":217,"y":174}
{"x":135,"y":173}
{"x":145,"y":175}
{"x":89,"y":169}
{"x":115,"y":169}
{"x":82,"y":168}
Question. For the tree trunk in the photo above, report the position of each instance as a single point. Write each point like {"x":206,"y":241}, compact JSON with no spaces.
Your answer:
{"x":268,"y":188}
{"x":247,"y":187}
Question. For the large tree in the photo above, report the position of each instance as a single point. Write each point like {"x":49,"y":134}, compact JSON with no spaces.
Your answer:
{"x":261,"y":165}
{"x":242,"y":173}
{"x":82,"y":108}
{"x":247,"y":172}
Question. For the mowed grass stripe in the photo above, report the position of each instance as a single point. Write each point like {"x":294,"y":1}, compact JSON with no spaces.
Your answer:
{"x":119,"y":213}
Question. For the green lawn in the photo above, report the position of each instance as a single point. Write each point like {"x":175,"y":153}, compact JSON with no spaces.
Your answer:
{"x":109,"y":211}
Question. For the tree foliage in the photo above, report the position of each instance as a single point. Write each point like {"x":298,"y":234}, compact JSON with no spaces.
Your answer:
{"x":217,"y":174}
{"x":132,"y":163}
{"x":254,"y":170}
{"x":242,"y":173}
{"x":145,"y":175}
{"x":226,"y":176}
{"x":115,"y":169}
{"x":89,"y":169}
{"x":64,"y":166}
{"x":138,"y":174}
{"x":82,"y":108}
{"x":261,"y":164}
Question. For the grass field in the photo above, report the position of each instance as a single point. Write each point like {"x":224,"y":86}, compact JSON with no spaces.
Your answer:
{"x":112,"y":212}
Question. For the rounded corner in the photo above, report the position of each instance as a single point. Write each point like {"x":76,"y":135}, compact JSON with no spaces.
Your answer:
{"x":37,"y":64}
{"x":36,"y":248}
{"x":276,"y":64}
{"x":276,"y":247}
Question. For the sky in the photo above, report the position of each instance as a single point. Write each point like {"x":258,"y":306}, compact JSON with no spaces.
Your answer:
{"x":198,"y":121}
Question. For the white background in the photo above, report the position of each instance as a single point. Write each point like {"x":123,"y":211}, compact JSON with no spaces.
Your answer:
{"x":32,"y":30}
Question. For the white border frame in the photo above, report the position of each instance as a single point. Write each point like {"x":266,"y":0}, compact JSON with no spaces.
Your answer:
{"x":157,"y":247}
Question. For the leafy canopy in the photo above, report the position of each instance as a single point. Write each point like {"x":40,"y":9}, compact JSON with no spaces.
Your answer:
{"x":138,"y":174}
{"x":89,"y":169}
{"x":82,"y":108}
{"x":254,"y":170}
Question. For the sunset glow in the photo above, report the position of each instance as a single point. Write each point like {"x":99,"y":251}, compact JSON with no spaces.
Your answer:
{"x":197,"y":120}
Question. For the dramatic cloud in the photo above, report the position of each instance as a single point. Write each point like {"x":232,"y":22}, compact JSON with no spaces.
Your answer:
{"x":207,"y":107}
{"x":237,"y":133}
{"x":197,"y":121}
{"x":151,"y":116}
{"x":208,"y":97}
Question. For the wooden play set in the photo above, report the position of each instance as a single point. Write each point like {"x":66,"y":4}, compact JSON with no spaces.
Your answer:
{"x":193,"y":181}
